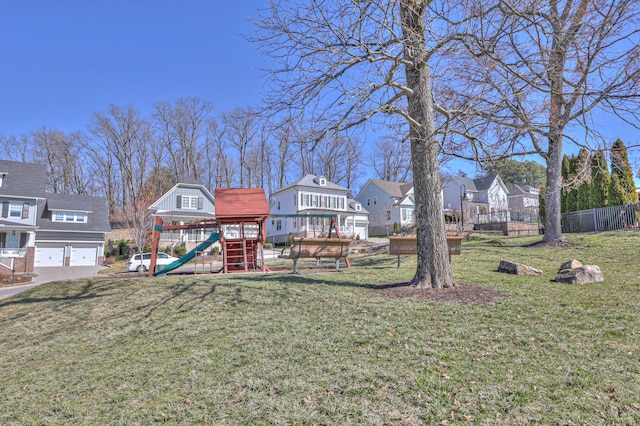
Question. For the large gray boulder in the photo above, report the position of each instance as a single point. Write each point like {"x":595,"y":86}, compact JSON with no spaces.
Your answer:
{"x":570,"y":264}
{"x":509,"y":267}
{"x":570,"y":273}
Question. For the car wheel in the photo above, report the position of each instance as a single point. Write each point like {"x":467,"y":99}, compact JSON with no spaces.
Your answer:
{"x":141,"y":268}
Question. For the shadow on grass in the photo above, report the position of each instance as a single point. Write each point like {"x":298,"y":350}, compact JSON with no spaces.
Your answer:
{"x":90,"y":290}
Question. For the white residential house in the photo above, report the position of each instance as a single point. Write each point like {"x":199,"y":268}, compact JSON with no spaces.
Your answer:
{"x":524,"y":198}
{"x":479,"y":200}
{"x":388,"y":203}
{"x":314,"y":195}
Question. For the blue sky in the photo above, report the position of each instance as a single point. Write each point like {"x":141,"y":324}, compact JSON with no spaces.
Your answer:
{"x":63,"y":60}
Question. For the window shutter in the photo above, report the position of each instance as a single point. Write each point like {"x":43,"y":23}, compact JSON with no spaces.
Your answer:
{"x":179,"y":202}
{"x":3,"y":240}
{"x":23,"y":239}
{"x":25,"y":210}
{"x":5,"y":209}
{"x":200,"y":203}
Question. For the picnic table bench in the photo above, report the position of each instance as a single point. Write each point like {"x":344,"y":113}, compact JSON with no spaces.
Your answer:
{"x":318,"y":248}
{"x":409,"y":245}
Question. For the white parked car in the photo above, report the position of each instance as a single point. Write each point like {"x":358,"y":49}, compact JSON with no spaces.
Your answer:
{"x":141,"y":262}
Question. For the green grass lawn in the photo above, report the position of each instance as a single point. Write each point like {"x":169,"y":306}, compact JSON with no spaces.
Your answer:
{"x":325,"y":348}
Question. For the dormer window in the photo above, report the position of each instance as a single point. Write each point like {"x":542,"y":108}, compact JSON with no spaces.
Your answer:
{"x":357,"y":207}
{"x":69,"y":217}
{"x":322,"y":181}
{"x":2,"y":175}
{"x":190,"y":202}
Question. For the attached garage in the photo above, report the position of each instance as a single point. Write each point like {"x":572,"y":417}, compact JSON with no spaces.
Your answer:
{"x":49,"y":255}
{"x":84,"y":256}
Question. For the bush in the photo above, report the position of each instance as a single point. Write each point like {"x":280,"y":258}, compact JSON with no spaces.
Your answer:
{"x":215,"y":250}
{"x":180,"y":251}
{"x":268,"y":245}
{"x":290,"y":238}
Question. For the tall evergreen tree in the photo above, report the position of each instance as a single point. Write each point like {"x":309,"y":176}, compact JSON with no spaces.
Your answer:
{"x":541,"y":203}
{"x":621,"y":169}
{"x":616,"y":192}
{"x":600,"y":180}
{"x":566,"y":183}
{"x":571,"y":185}
{"x":583,"y":181}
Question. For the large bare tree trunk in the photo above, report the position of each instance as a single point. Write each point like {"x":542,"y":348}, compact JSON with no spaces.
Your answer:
{"x":433,"y":268}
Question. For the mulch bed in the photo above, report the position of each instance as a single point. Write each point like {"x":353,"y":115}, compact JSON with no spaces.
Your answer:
{"x":462,"y":293}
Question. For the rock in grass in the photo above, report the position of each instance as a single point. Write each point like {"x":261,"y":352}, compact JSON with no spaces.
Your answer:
{"x":580,"y":275}
{"x":509,"y":267}
{"x":570,"y":264}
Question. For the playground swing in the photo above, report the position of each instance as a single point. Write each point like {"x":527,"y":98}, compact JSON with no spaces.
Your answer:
{"x":319,"y":248}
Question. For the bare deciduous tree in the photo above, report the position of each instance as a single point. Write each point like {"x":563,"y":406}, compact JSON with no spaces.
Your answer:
{"x":124,"y":140}
{"x":343,"y":63}
{"x":391,"y":158}
{"x":181,"y":126}
{"x":540,"y":71}
{"x":63,"y":155}
{"x":240,"y":130}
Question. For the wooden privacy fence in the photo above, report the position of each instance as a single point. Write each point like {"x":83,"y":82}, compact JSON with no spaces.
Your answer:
{"x":602,"y":219}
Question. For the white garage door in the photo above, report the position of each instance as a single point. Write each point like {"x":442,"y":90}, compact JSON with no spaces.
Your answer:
{"x":49,"y":256}
{"x":83,"y":256}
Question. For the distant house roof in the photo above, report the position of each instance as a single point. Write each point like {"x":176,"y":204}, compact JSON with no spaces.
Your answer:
{"x":241,"y":203}
{"x":189,"y":180}
{"x":522,"y":189}
{"x":484,"y":183}
{"x":351,"y":207}
{"x":96,"y":207}
{"x":23,"y":179}
{"x":469,"y":184}
{"x":394,"y":189}
{"x":313,"y":181}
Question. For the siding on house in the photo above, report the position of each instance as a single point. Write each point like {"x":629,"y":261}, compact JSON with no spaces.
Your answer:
{"x":315,"y":195}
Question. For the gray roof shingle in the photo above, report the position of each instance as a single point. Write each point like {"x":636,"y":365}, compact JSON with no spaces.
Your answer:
{"x":23,"y":179}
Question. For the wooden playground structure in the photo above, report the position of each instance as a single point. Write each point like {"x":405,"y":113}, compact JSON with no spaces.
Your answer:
{"x":239,"y":227}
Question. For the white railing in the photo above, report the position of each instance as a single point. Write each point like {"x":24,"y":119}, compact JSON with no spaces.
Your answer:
{"x":7,"y":252}
{"x":7,"y":262}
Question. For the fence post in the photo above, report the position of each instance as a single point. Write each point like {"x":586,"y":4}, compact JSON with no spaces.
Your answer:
{"x":595,"y":218}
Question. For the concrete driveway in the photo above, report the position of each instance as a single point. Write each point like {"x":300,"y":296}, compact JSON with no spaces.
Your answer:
{"x":45,"y":275}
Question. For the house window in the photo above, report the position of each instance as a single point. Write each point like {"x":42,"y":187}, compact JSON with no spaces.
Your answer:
{"x":69,"y":217}
{"x":295,"y":223}
{"x":304,"y":200}
{"x":189,"y":202}
{"x":375,"y":200}
{"x":357,"y":207}
{"x":278,"y":205}
{"x":15,"y":210}
{"x":295,"y":200}
{"x":340,"y":203}
{"x":388,"y":215}
{"x":323,"y":182}
{"x":314,"y":200}
{"x":368,"y":201}
{"x":278,"y":225}
{"x":332,"y":202}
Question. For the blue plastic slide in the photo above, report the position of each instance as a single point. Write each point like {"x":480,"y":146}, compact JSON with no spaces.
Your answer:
{"x":190,"y":255}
